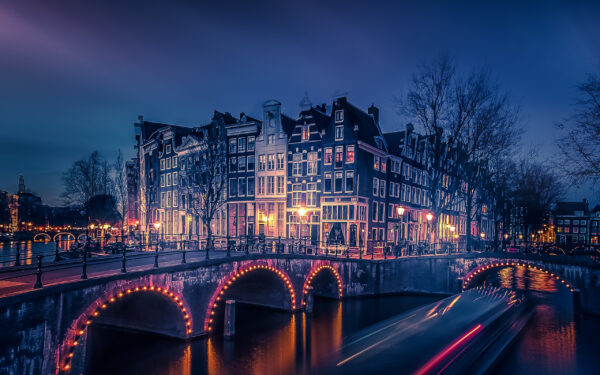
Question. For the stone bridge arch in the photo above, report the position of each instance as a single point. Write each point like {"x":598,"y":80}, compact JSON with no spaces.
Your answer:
{"x":471,"y":278}
{"x":318,"y":270}
{"x":218,"y":297}
{"x":76,"y":334}
{"x":42,"y":237}
{"x":70,"y":236}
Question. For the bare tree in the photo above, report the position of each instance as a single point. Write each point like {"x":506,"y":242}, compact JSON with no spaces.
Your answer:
{"x":87,"y":178}
{"x":120,"y":183}
{"x":428,"y":103}
{"x":536,"y":188}
{"x":580,"y":135}
{"x":206,"y":179}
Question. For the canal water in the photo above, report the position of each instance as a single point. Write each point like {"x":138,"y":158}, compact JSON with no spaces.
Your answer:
{"x":29,"y":250}
{"x":270,"y":342}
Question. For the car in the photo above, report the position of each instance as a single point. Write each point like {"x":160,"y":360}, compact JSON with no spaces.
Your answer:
{"x":512,"y":250}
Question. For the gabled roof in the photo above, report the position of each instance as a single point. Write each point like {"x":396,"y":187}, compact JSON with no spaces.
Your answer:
{"x":569,"y":208}
{"x":368,"y":129}
{"x":393,"y":141}
{"x":287,"y":124}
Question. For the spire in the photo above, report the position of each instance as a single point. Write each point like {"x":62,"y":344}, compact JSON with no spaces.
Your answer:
{"x":305,"y":103}
{"x":21,"y":185}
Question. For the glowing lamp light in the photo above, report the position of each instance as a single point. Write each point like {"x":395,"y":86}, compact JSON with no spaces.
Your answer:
{"x":452,"y":228}
{"x":156,"y":225}
{"x":429,"y":216}
{"x":301,"y":211}
{"x":400,"y":210}
{"x":482,"y":235}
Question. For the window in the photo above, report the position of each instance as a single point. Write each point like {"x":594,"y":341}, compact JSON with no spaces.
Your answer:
{"x":162,"y":200}
{"x":305,"y":132}
{"x":328,"y":182}
{"x":280,"y":185}
{"x":376,"y":162}
{"x":311,"y":165}
{"x":382,"y":189}
{"x":381,"y":213}
{"x":349,"y":181}
{"x":328,"y":155}
{"x":375,"y":186}
{"x":232,"y":146}
{"x":242,"y":163}
{"x":297,"y":168}
{"x":174,"y":161}
{"x":162,"y":164}
{"x":271,"y":162}
{"x":311,"y":195}
{"x":339,"y":115}
{"x":280,"y":161}
{"x":168,"y":149}
{"x":391,"y":193}
{"x":375,"y":206}
{"x":261,"y":186}
{"x":271,"y":139}
{"x":162,"y":180}
{"x":168,"y":163}
{"x":232,"y":187}
{"x":296,"y":194}
{"x":262,"y":162}
{"x":575,"y":229}
{"x":168,"y":199}
{"x":242,"y":144}
{"x":174,"y":199}
{"x":582,"y":230}
{"x":350,"y":154}
{"x":251,"y":142}
{"x":339,"y":156}
{"x":390,"y":210}
{"x":232,"y":164}
{"x":383,"y":165}
{"x":575,"y":222}
{"x":250,"y":163}
{"x":168,"y":179}
{"x":339,"y":132}
{"x":242,"y":186}
{"x":250,"y":186}
{"x":175,"y":178}
{"x":339,"y":180}
{"x":582,"y":222}
{"x":270,"y":184}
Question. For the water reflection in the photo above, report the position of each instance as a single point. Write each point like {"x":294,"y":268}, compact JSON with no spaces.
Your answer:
{"x":266,"y":341}
{"x":29,"y":250}
{"x":553,"y":342}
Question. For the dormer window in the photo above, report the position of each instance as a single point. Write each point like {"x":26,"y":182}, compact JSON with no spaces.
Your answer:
{"x":168,"y":149}
{"x":305,"y":133}
{"x":339,"y":115}
{"x":339,"y":132}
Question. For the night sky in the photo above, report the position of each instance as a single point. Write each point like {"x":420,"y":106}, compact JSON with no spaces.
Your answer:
{"x":74,"y":75}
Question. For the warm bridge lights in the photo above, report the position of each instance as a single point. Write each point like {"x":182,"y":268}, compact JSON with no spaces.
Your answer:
{"x":234,"y":276}
{"x":103,"y":305}
{"x":314,"y":273}
{"x":471,"y":275}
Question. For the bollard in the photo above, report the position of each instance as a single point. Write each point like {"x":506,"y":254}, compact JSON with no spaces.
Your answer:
{"x":183,"y":257}
{"x":229,"y":321}
{"x":56,"y":256}
{"x":156,"y":256}
{"x":18,"y":255}
{"x":84,"y":270}
{"x":308,"y":306}
{"x":38,"y":274}
{"x":123,"y":261}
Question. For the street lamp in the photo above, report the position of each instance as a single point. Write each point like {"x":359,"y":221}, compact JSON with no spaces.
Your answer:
{"x":429,"y":216}
{"x":400,"y":211}
{"x":301,"y":213}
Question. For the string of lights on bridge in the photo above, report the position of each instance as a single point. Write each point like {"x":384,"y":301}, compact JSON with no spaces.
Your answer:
{"x":80,"y":330}
{"x":471,"y":275}
{"x":214,"y":303}
{"x":314,"y":273}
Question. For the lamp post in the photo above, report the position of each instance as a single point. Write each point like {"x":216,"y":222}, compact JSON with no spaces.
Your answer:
{"x":400,"y":211}
{"x":429,"y":217}
{"x":452,"y":229}
{"x":301,"y":213}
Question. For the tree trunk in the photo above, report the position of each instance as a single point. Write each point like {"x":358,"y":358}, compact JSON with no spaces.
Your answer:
{"x":469,"y":220}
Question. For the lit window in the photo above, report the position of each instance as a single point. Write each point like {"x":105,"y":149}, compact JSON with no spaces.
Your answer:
{"x":305,"y":132}
{"x":262,"y":162}
{"x":271,"y":162}
{"x":339,"y":156}
{"x":349,"y":154}
{"x":328,"y":155}
{"x":280,"y":161}
{"x":376,"y":162}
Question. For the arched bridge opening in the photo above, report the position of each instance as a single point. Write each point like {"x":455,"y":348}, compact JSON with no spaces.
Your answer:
{"x":64,"y":236}
{"x":144,"y":308}
{"x":256,"y":284}
{"x":517,"y":275}
{"x":42,"y":237}
{"x":325,"y":282}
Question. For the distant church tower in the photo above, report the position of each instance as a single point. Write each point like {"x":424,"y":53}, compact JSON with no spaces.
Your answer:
{"x":21,"y":185}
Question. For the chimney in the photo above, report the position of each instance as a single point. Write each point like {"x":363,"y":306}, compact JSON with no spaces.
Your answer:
{"x":374,"y":111}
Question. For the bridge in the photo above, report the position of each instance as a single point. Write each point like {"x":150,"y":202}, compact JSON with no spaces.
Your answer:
{"x":45,"y":329}
{"x":63,"y":235}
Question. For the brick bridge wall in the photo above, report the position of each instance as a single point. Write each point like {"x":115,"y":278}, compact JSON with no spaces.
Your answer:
{"x":39,"y":328}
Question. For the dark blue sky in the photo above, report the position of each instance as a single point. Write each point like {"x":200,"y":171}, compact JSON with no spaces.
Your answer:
{"x":75,"y":75}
